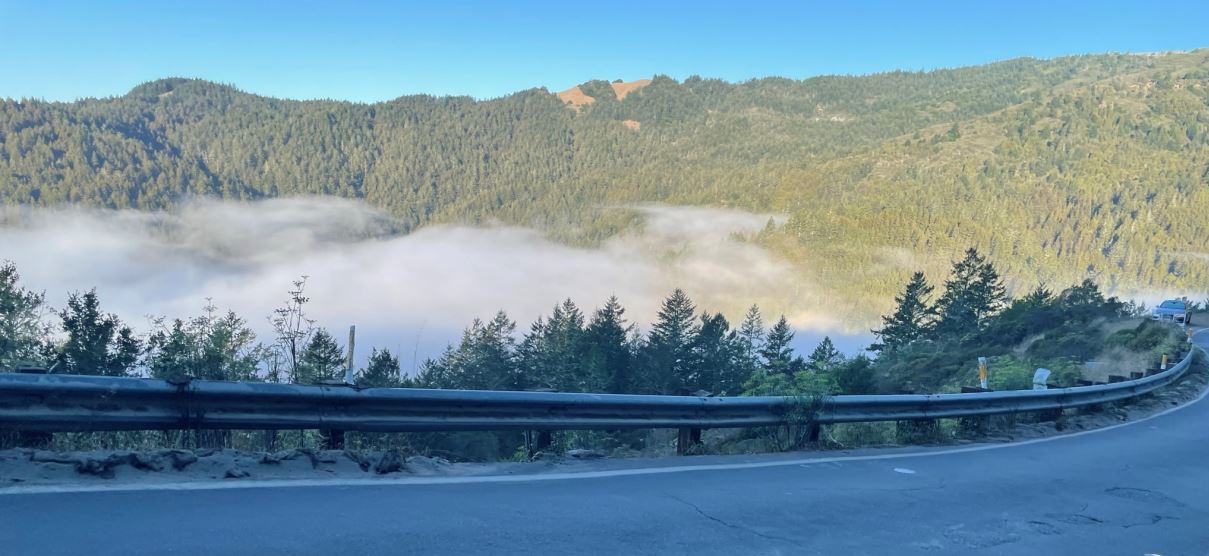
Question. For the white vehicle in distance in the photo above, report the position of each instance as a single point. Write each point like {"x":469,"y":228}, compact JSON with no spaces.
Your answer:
{"x":1174,"y":310}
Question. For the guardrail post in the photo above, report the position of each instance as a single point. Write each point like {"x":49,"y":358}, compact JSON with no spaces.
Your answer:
{"x":686,"y":439}
{"x":689,"y":437}
{"x":333,"y":439}
{"x":34,"y":439}
{"x":978,"y":424}
{"x":538,"y":440}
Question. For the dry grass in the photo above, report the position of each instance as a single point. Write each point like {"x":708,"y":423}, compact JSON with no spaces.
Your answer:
{"x":1117,"y":361}
{"x":575,"y":97}
{"x":622,"y":89}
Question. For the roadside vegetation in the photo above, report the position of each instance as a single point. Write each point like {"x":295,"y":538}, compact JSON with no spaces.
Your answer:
{"x":930,"y":343}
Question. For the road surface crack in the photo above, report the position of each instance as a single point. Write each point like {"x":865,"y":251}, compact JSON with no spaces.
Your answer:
{"x":727,"y":524}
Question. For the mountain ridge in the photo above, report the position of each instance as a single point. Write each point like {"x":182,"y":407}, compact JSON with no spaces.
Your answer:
{"x":1093,"y":165}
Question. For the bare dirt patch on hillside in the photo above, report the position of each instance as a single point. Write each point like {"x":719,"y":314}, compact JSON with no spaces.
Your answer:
{"x":575,"y":97}
{"x":621,"y":88}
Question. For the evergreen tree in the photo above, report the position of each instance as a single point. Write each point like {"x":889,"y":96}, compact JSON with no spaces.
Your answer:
{"x":323,"y":359}
{"x":855,"y":376}
{"x":751,"y":338}
{"x":206,"y":347}
{"x":381,"y":371}
{"x":564,"y":348}
{"x":533,"y":358}
{"x":824,"y":357}
{"x":229,"y":348}
{"x":551,"y":355}
{"x":21,"y":327}
{"x":911,"y":318}
{"x":171,"y":351}
{"x":1084,"y":302}
{"x":776,"y":352}
{"x":668,"y":361}
{"x":973,"y":294}
{"x":717,"y":352}
{"x":97,"y":343}
{"x":609,"y":359}
{"x":485,"y":359}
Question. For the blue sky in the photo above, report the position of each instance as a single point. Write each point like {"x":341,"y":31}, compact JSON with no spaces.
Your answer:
{"x":370,"y":51}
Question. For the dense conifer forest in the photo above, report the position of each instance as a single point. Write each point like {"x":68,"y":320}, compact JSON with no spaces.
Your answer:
{"x":1060,"y":170}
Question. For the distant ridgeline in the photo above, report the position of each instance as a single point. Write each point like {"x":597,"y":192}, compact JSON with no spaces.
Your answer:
{"x":1089,"y":166}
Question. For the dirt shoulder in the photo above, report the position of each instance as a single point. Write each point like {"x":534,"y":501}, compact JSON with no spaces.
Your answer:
{"x":24,"y":468}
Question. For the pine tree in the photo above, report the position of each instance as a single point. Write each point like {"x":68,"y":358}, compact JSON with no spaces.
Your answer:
{"x":564,"y":348}
{"x":668,"y":357}
{"x":171,"y":351}
{"x":532,"y":359}
{"x":1084,"y":302}
{"x":751,"y":333}
{"x":97,"y":343}
{"x":322,"y":359}
{"x":910,"y":320}
{"x":381,"y":371}
{"x":824,"y":357}
{"x":855,"y":376}
{"x":485,"y":359}
{"x":717,"y":352}
{"x":609,"y":358}
{"x":207,"y":347}
{"x":21,"y":326}
{"x":973,"y":294}
{"x":776,"y":352}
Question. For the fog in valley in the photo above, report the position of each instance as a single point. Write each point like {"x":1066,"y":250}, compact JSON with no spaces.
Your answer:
{"x":411,"y":293}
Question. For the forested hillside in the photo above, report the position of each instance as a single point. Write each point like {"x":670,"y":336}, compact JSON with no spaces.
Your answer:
{"x":1089,"y":166}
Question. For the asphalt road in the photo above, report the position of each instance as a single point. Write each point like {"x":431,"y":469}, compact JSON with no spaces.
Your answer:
{"x":1141,"y":488}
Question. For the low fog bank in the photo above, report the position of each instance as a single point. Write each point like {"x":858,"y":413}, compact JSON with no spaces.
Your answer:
{"x":410,"y":293}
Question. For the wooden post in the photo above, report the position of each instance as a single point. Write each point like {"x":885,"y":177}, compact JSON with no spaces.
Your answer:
{"x":537,"y":441}
{"x":689,"y":436}
{"x":352,"y":341}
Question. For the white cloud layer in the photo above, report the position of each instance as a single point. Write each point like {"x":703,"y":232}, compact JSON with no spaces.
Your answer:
{"x":410,"y":293}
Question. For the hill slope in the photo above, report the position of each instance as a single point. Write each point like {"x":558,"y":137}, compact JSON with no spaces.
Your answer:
{"x":1088,"y":165}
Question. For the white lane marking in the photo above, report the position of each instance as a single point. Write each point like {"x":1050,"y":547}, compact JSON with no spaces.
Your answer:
{"x":286,"y":483}
{"x":904,"y":470}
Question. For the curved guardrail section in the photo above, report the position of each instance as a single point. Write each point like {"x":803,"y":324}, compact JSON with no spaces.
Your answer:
{"x":61,"y":403}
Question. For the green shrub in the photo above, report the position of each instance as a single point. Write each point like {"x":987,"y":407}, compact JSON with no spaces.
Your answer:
{"x":1147,"y":336}
{"x":1076,"y":342}
{"x":1010,"y":373}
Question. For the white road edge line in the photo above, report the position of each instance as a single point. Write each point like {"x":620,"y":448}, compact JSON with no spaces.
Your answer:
{"x":287,"y":483}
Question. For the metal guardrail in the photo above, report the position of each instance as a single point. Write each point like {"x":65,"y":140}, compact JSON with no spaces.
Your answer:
{"x":60,"y":403}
